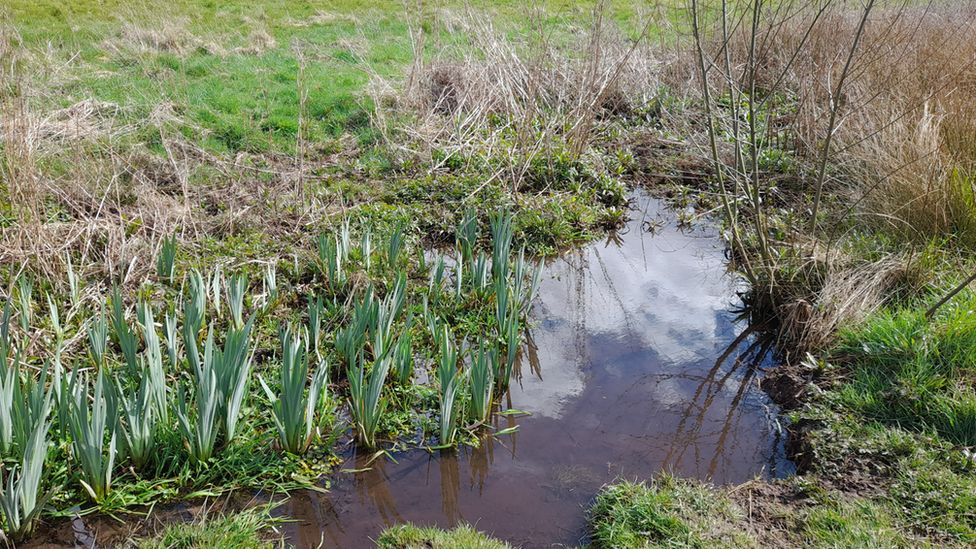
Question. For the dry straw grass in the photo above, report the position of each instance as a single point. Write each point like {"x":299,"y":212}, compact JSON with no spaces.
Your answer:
{"x":874,"y":103}
{"x":474,"y":101}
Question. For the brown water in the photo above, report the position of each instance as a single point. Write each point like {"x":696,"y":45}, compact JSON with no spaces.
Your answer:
{"x":634,"y":366}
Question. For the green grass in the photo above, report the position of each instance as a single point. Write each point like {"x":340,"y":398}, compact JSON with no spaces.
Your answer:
{"x":247,"y":529}
{"x":666,"y":512}
{"x":408,"y":536}
{"x":900,"y":412}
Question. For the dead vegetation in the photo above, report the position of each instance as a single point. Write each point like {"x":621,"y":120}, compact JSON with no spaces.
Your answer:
{"x":856,"y":106}
{"x":513,"y":101}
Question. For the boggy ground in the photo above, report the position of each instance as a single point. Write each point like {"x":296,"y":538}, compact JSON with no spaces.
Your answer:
{"x":836,"y":149}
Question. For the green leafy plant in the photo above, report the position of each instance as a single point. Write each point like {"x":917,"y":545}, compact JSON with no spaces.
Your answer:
{"x":166,"y":260}
{"x":138,"y":419}
{"x":25,"y":291}
{"x":481,"y":382}
{"x":21,"y":501}
{"x":333,"y":253}
{"x":153,"y":367}
{"x":90,"y":426}
{"x":236,"y":287}
{"x":450,"y":384}
{"x":395,"y":245}
{"x":366,"y":402}
{"x":98,"y":339}
{"x":123,"y":334}
{"x":197,"y":418}
{"x":403,"y":355}
{"x":293,"y":408}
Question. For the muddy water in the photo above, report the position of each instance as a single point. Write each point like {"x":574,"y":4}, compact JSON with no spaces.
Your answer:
{"x":635,"y":366}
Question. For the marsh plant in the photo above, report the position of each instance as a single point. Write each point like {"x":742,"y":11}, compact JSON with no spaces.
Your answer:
{"x":93,"y":430}
{"x":166,"y":260}
{"x":138,"y":419}
{"x":220,"y":381}
{"x":481,"y":381}
{"x":366,"y":402}
{"x":450,"y":383}
{"x":294,"y":408}
{"x":333,"y":255}
{"x":22,"y":500}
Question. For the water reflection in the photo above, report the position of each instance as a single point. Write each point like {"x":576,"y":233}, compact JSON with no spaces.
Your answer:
{"x":635,"y":364}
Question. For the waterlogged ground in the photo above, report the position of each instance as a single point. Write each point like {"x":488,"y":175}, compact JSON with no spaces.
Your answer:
{"x":635,"y":366}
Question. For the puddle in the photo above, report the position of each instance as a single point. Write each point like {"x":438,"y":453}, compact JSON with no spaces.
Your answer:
{"x":636,"y":365}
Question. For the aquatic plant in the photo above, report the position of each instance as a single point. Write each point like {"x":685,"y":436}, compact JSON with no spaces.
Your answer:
{"x":25,"y":290}
{"x":98,"y":338}
{"x":172,"y":342}
{"x":236,"y":287}
{"x":386,"y":315}
{"x":21,"y":501}
{"x":509,"y":332}
{"x":194,"y":307}
{"x":314,"y":325}
{"x":366,"y":248}
{"x":23,"y":401}
{"x":220,"y":384}
{"x":197,"y":418}
{"x":450,"y":383}
{"x":366,"y":403}
{"x":74,"y":284}
{"x":481,"y":381}
{"x":138,"y":419}
{"x":525,"y":282}
{"x":293,"y":408}
{"x":55,"y":316}
{"x":123,"y":334}
{"x":89,"y":428}
{"x":467,"y":235}
{"x":395,"y":245}
{"x":350,"y":340}
{"x":436,"y":286}
{"x":333,"y":253}
{"x":270,"y":285}
{"x":501,"y":239}
{"x":481,"y":275}
{"x":166,"y":260}
{"x":403,"y":355}
{"x":153,"y":367}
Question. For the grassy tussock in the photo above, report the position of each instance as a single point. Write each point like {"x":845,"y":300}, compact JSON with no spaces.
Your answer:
{"x":665,"y":513}
{"x":407,"y":536}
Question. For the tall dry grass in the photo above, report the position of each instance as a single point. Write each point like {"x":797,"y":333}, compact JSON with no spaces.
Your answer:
{"x":512,"y":99}
{"x":873,"y":103}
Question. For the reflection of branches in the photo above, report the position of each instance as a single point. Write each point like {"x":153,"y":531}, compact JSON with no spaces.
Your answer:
{"x":734,"y":406}
{"x":612,"y":288}
{"x":711,"y":387}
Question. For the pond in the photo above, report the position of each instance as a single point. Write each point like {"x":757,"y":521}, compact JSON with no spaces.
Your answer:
{"x":636,"y":364}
